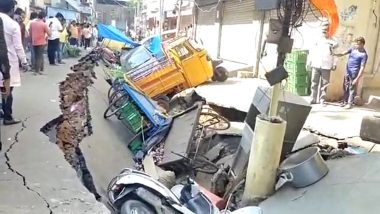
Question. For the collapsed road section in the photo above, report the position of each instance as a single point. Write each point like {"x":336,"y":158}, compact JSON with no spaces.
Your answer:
{"x":74,"y":124}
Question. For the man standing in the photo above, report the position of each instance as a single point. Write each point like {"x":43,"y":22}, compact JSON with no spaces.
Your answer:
{"x":33,"y":17}
{"x":38,"y":32}
{"x":95,"y":34}
{"x":321,"y":62}
{"x":15,"y":52}
{"x":73,"y":33}
{"x":356,"y":63}
{"x":87,"y":34}
{"x":55,"y":27}
{"x":62,"y":42}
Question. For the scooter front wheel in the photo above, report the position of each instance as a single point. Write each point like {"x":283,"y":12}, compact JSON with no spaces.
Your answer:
{"x":135,"y":207}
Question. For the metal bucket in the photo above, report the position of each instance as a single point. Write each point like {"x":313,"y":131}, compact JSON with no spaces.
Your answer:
{"x":303,"y":168}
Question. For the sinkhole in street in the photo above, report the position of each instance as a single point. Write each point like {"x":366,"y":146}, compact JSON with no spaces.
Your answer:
{"x":72,"y":153}
{"x":74,"y":124}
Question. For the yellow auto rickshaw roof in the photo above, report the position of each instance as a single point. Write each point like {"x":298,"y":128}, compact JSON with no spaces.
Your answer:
{"x":176,"y":41}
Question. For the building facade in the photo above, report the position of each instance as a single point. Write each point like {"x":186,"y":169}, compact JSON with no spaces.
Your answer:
{"x":230,"y":30}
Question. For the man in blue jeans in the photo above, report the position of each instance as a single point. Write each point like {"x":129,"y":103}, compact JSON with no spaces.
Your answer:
{"x":356,"y":63}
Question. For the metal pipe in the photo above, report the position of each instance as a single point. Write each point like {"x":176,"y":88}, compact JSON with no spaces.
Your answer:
{"x":179,"y":17}
{"x":258,"y":51}
{"x":161,"y":18}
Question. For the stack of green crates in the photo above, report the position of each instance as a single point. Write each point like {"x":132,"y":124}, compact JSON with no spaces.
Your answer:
{"x":298,"y":80}
{"x":134,"y":120}
{"x":132,"y":117}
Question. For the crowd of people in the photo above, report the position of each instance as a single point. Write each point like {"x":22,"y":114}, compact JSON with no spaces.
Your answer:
{"x":18,"y":37}
{"x":59,"y":34}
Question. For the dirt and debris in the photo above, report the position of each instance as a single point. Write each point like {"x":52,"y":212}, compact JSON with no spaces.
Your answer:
{"x":74,"y":124}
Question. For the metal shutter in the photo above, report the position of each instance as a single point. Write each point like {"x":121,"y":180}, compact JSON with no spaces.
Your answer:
{"x":206,"y":30}
{"x":240,"y":31}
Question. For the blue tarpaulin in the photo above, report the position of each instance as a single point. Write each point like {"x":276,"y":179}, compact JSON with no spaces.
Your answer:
{"x":155,"y":47}
{"x":112,"y":33}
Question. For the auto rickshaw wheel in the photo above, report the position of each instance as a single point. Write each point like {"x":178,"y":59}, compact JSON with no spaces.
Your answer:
{"x":220,"y":74}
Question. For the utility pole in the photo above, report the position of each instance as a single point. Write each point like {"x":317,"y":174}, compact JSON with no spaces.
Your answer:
{"x":269,"y":134}
{"x":281,"y":56}
{"x":179,"y":16}
{"x":161,"y":24}
{"x":258,"y":51}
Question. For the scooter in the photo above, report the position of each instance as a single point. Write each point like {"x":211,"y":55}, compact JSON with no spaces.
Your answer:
{"x":136,"y":192}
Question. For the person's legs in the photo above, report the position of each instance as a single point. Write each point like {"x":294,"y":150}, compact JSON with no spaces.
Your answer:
{"x":71,"y":41}
{"x":351,"y":93}
{"x":316,"y":75}
{"x":56,"y":49}
{"x":32,"y":57}
{"x":346,"y":89}
{"x":7,"y":104}
{"x":51,"y":51}
{"x":87,"y":43}
{"x":39,"y":58}
{"x":59,"y":55}
{"x":37,"y":64}
{"x":324,"y":84}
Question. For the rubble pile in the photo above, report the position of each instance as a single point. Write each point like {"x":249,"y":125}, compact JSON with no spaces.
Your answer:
{"x":75,"y":121}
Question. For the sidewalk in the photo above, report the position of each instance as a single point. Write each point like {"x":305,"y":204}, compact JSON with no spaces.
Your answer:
{"x":35,"y":177}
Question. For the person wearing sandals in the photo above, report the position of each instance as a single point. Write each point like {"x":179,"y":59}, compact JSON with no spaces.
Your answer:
{"x":357,"y":60}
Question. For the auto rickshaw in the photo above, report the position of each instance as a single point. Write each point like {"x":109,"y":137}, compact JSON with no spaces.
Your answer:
{"x":185,"y":64}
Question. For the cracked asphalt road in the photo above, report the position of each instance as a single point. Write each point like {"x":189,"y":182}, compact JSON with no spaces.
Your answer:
{"x":34,"y":176}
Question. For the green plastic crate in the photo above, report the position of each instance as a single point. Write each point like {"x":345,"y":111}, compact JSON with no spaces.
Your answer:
{"x":297,"y":56}
{"x":132,"y":117}
{"x":135,"y":146}
{"x":301,"y":79}
{"x":299,"y":90}
{"x":295,"y":68}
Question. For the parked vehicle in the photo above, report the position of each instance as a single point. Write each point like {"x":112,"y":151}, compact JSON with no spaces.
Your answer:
{"x":185,"y":64}
{"x":136,"y":192}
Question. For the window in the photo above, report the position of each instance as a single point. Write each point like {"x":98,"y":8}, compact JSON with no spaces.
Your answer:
{"x":182,"y":51}
{"x":134,"y":58}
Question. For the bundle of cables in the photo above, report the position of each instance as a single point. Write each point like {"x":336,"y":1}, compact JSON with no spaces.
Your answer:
{"x":298,"y":8}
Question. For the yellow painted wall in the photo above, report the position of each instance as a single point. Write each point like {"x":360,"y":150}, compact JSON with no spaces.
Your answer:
{"x":360,"y":23}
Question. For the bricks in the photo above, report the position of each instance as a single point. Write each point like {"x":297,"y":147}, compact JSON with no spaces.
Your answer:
{"x":370,"y":129}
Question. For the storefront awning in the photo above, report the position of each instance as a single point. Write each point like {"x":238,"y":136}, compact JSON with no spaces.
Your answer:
{"x":79,"y":7}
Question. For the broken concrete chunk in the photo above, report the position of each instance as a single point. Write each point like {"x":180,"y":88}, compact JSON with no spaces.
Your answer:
{"x":167,"y":178}
{"x":226,"y":161}
{"x":370,"y":129}
{"x":215,"y":152}
{"x":306,"y":139}
{"x":150,"y":167}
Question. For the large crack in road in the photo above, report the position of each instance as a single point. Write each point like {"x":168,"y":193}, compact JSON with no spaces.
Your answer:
{"x":74,"y":124}
{"x":13,"y":170}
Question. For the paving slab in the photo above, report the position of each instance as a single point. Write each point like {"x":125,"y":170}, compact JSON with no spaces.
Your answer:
{"x":351,"y":186}
{"x":35,"y":177}
{"x":331,"y":120}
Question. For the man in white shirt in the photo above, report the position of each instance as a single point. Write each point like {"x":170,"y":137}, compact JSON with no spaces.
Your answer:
{"x":53,"y":42}
{"x":95,"y":34}
{"x":14,"y":51}
{"x":321,"y":61}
